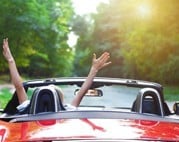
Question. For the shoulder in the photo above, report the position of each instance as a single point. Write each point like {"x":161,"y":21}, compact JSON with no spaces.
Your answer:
{"x":69,"y":107}
{"x":23,"y":106}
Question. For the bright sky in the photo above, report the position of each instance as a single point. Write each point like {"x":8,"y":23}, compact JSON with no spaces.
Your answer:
{"x":83,"y":7}
{"x":86,"y":6}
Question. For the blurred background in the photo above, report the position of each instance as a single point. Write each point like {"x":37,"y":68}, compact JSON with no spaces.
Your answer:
{"x":57,"y":38}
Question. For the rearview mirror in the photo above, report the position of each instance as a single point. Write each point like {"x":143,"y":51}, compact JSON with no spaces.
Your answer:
{"x":91,"y":92}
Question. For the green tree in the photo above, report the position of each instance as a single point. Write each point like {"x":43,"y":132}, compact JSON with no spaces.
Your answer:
{"x":142,"y":37}
{"x":38,"y":32}
{"x":83,"y":49}
{"x":152,"y":43}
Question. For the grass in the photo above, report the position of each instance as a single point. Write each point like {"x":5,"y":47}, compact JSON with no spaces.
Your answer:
{"x":171,"y":93}
{"x":5,"y":96}
{"x":5,"y":93}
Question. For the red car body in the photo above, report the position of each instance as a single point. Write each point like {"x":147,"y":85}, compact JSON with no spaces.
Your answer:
{"x":94,"y":121}
{"x":89,"y":129}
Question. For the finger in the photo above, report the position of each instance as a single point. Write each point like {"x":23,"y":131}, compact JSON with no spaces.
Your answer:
{"x":5,"y":46}
{"x":106,"y":64}
{"x":94,"y":56}
{"x":7,"y":41}
{"x":4,"y":43}
{"x":104,"y":55}
{"x":105,"y":58}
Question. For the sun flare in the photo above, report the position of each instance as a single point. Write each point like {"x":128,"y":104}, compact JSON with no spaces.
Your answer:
{"x":144,"y":10}
{"x":86,"y":6}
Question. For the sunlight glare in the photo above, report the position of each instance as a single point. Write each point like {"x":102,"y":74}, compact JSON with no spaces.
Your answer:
{"x":86,"y":6}
{"x":144,"y":10}
{"x":72,"y":39}
{"x":82,"y":7}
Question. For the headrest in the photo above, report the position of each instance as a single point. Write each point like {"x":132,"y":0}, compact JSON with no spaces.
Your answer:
{"x":45,"y":99}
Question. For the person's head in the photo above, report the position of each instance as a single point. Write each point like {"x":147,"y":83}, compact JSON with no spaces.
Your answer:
{"x":59,"y":91}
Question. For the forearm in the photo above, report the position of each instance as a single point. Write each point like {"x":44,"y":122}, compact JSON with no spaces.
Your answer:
{"x":97,"y":64}
{"x":89,"y":80}
{"x":15,"y":77}
{"x":86,"y":85}
{"x":17,"y":81}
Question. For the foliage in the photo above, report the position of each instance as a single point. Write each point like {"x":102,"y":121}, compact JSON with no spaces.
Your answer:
{"x":5,"y":95}
{"x":171,"y":93}
{"x":142,"y":37}
{"x":83,"y":49}
{"x":37,"y":32}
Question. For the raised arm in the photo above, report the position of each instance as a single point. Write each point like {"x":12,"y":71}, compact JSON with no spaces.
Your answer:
{"x":15,"y":77}
{"x":97,"y":64}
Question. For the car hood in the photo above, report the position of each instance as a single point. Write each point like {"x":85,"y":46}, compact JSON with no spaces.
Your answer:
{"x":89,"y":129}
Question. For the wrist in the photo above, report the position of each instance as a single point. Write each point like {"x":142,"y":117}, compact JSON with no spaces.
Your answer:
{"x":10,"y":60}
{"x":94,"y":70}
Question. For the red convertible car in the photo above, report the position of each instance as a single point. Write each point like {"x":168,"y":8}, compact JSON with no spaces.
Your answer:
{"x":113,"y":109}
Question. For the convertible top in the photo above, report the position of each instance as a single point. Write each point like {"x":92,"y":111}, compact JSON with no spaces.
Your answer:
{"x":98,"y":81}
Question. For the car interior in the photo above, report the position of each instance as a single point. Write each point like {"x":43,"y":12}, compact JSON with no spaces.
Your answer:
{"x":45,"y":99}
{"x":148,"y":101}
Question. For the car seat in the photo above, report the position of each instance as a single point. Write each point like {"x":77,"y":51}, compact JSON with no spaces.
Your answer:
{"x":45,"y":99}
{"x":148,"y":101}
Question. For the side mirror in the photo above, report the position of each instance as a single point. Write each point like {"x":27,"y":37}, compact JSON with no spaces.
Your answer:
{"x":1,"y":110}
{"x":176,"y":108}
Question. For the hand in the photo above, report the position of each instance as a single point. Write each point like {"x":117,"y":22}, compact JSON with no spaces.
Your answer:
{"x":101,"y":61}
{"x":6,"y":51}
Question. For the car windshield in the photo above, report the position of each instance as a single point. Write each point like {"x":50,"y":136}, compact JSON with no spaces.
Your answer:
{"x":116,"y":96}
{"x":113,"y":96}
